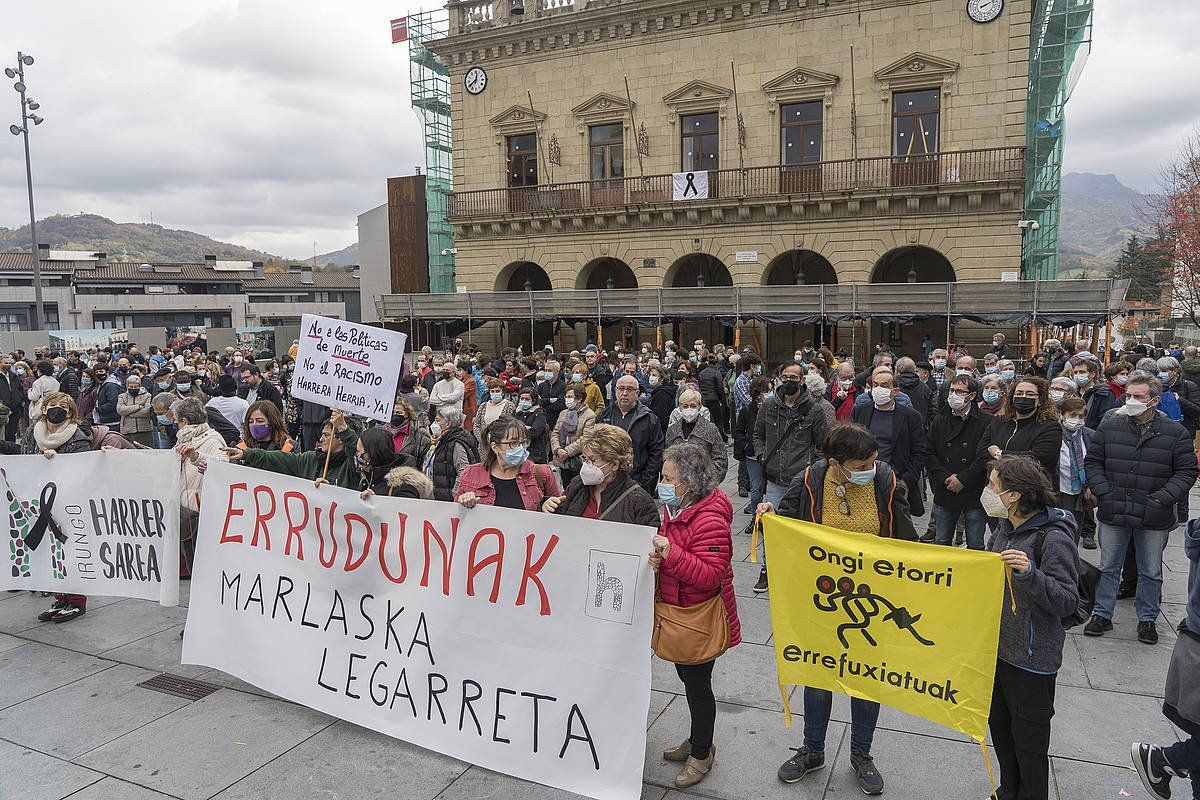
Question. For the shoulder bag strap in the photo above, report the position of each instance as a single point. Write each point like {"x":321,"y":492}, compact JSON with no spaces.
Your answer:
{"x":628,"y":490}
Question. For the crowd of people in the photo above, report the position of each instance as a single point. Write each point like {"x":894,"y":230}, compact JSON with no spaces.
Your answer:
{"x":1029,"y":458}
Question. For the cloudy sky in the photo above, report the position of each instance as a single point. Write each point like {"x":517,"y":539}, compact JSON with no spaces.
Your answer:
{"x":273,"y":123}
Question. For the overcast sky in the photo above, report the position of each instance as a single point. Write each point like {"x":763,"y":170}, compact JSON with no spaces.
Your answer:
{"x":273,"y":123}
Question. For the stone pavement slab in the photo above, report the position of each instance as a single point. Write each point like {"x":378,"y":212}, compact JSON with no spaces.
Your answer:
{"x":28,"y":775}
{"x":31,"y":669}
{"x":346,"y":761}
{"x":114,"y":789}
{"x":915,"y":766}
{"x":78,"y":717}
{"x":208,"y":745}
{"x":1080,"y":780}
{"x":1097,"y":726}
{"x":110,"y":626}
{"x":19,"y":610}
{"x":159,"y":652}
{"x":1122,"y":665}
{"x":9,"y":642}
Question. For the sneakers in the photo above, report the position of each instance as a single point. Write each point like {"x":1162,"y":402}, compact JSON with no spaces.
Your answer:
{"x":1088,"y":542}
{"x":799,"y":765}
{"x":1147,"y":633}
{"x":761,"y":586}
{"x":1153,"y":768}
{"x":694,"y":770}
{"x":53,"y":610}
{"x":67,"y":613}
{"x":869,"y":779}
{"x":1097,"y":626}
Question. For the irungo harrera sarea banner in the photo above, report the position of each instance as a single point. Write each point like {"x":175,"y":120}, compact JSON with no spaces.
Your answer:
{"x":515,"y":640}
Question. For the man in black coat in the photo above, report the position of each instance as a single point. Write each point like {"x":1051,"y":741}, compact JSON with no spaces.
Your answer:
{"x":552,"y":391}
{"x":1139,"y":465}
{"x":917,"y":390}
{"x":957,"y":474}
{"x":899,"y":429}
{"x":712,"y":393}
{"x":642,"y":426}
{"x":255,"y":387}
{"x":12,"y":399}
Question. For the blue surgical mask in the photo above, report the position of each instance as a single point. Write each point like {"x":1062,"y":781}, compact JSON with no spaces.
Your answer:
{"x":989,"y":368}
{"x":576,"y":377}
{"x":524,"y":405}
{"x":1081,"y":380}
{"x":516,"y":456}
{"x":497,"y":396}
{"x":1165,"y":377}
{"x":1008,"y":374}
{"x":862,"y":477}
{"x":666,"y":493}
{"x":163,"y":419}
{"x":85,"y":382}
{"x":990,"y":396}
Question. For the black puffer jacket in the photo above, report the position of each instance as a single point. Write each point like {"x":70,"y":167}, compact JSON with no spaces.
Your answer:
{"x":1138,"y":473}
{"x":1189,"y":402}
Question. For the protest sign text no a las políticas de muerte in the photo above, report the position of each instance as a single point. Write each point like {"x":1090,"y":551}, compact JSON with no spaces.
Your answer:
{"x":347,"y":366}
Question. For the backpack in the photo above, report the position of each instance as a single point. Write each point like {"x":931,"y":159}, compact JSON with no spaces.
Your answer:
{"x":1089,"y":581}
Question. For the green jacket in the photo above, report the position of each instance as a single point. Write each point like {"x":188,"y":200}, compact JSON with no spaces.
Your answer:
{"x":309,"y":465}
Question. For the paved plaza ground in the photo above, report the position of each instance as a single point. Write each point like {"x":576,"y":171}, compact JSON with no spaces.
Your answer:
{"x":74,"y":723}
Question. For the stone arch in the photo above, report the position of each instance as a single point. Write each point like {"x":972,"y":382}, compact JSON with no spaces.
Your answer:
{"x":520,"y":276}
{"x":606,"y":273}
{"x":799,"y":268}
{"x":913,"y":264}
{"x":697,"y":269}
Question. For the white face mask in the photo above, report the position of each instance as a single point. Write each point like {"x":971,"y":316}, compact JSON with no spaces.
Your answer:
{"x":435,"y":429}
{"x":653,"y":380}
{"x":569,"y":402}
{"x":1057,"y":395}
{"x":956,"y":401}
{"x":993,"y":506}
{"x":1134,"y":408}
{"x":962,"y":372}
{"x":1072,"y":424}
{"x":689,"y":414}
{"x":846,"y":383}
{"x":881,"y":395}
{"x":590,"y":474}
{"x":940,"y":363}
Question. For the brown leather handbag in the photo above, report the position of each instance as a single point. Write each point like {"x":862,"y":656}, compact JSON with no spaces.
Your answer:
{"x":691,"y":635}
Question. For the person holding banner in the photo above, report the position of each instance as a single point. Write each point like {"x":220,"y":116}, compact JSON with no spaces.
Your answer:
{"x":603,"y":488}
{"x":1036,"y":541}
{"x":847,"y":489}
{"x":374,"y":457}
{"x":329,"y":463}
{"x":506,"y":477}
{"x":692,"y":556}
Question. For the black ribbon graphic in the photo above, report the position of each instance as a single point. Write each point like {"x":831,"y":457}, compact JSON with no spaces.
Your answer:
{"x":691,"y":184}
{"x":45,"y":519}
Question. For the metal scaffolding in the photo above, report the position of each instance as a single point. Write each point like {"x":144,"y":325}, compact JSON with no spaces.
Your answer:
{"x":1059,"y":43}
{"x":431,"y":100}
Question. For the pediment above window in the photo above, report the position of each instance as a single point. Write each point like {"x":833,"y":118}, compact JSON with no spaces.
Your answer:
{"x":602,"y":107}
{"x":698,"y":96}
{"x":799,"y":85}
{"x":916,"y":70}
{"x":517,"y":119}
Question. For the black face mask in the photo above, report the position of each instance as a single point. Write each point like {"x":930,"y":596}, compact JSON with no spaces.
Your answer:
{"x":788,"y":388}
{"x":56,"y":416}
{"x":1024,"y":405}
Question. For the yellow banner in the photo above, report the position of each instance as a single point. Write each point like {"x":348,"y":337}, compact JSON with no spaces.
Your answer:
{"x":912,"y":626}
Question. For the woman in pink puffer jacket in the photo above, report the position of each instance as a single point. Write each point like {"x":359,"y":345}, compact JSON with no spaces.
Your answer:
{"x":693,"y":556}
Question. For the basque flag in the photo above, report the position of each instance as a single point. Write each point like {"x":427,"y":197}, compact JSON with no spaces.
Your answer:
{"x":400,"y":30}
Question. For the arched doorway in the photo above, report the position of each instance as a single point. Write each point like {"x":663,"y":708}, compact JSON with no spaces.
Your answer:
{"x":524,"y":276}
{"x":798,"y":268}
{"x":699,"y":270}
{"x":914,"y":264}
{"x":605,"y":274}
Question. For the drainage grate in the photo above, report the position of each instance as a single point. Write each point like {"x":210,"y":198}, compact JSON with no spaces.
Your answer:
{"x":180,"y":687}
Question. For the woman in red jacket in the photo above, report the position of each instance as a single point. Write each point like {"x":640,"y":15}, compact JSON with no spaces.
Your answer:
{"x":692,"y":555}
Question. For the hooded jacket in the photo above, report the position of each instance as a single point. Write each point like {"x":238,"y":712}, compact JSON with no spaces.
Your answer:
{"x":1032,"y":637}
{"x":699,"y":563}
{"x":919,"y":395}
{"x":805,"y":500}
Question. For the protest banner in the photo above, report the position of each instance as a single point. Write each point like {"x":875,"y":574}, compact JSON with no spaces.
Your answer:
{"x":514,"y":640}
{"x":96,"y":523}
{"x":347,"y":366}
{"x":909,"y":625}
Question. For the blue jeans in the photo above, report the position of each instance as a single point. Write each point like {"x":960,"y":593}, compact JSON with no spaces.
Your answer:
{"x":774,"y":494}
{"x":974,"y":520}
{"x":818,"y":704}
{"x":1114,"y":541}
{"x":754,"y":474}
{"x":1185,"y":755}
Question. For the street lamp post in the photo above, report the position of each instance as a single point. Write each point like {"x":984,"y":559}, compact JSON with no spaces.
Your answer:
{"x":28,"y":106}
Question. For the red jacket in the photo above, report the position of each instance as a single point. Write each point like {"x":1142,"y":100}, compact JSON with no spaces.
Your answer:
{"x":700,"y":561}
{"x":476,"y":478}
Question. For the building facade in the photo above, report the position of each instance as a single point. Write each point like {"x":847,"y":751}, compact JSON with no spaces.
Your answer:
{"x":869,"y":141}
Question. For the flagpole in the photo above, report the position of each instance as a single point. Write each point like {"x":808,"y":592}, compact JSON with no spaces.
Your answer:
{"x":637,"y":145}
{"x":541,"y":146}
{"x":853,"y":119}
{"x":741,"y":127}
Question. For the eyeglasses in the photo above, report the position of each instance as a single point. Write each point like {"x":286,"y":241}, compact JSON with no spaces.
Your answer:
{"x":843,"y":503}
{"x":513,"y":442}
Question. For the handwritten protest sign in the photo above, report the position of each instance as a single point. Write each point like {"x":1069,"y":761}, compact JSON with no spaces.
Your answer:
{"x":98,"y":523}
{"x":347,"y":366}
{"x":515,"y":640}
{"x":908,"y":625}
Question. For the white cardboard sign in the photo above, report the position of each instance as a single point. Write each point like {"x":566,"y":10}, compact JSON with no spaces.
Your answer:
{"x":347,"y":366}
{"x":514,"y":640}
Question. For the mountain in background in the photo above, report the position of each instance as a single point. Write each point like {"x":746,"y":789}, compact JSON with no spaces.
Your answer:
{"x":1098,"y":214}
{"x":346,"y":257}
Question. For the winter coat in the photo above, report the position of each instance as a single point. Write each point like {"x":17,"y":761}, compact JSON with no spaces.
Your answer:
{"x":210,"y":446}
{"x":712,"y":387}
{"x":1181,"y":702}
{"x":574,"y":447}
{"x":68,"y":382}
{"x":705,"y":434}
{"x":43,"y":386}
{"x":507,"y":409}
{"x":1137,"y":473}
{"x":266,"y":391}
{"x":1099,"y":398}
{"x":446,"y":394}
{"x":408,"y":482}
{"x":662,"y":403}
{"x":552,"y":399}
{"x":908,"y":439}
{"x":103,"y":436}
{"x":593,"y":395}
{"x":801,"y":447}
{"x":922,"y":399}
{"x":85,"y":404}
{"x":642,"y":427}
{"x":1032,"y":637}
{"x":1188,"y":395}
{"x":805,"y":499}
{"x":954,"y":450}
{"x":413,"y":448}
{"x":455,"y":444}
{"x":311,"y":464}
{"x":635,"y":508}
{"x":743,"y":432}
{"x":76,"y":439}
{"x":1041,"y":440}
{"x":698,"y":564}
{"x":535,"y":482}
{"x":12,"y":394}
{"x":106,"y":402}
{"x":470,"y":399}
{"x":136,"y":413}
{"x":539,"y":433}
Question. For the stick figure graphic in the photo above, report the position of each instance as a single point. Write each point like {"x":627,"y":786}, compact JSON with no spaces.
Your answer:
{"x":862,"y":606}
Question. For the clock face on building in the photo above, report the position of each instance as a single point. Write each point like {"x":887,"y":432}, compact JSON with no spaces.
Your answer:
{"x":476,"y":80}
{"x":984,"y":10}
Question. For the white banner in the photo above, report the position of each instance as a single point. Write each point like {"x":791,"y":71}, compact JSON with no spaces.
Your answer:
{"x":97,"y":523}
{"x":689,"y":186}
{"x":347,"y":366}
{"x":514,"y":640}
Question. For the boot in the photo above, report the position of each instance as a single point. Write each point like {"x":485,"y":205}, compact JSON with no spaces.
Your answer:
{"x":679,"y":754}
{"x":694,"y":770}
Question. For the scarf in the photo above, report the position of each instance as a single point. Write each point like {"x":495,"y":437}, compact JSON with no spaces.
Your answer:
{"x":52,"y":441}
{"x":570,"y":424}
{"x":1075,"y":450}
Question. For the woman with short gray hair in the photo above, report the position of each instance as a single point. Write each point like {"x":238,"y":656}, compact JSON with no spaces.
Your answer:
{"x":693,"y":555}
{"x":690,"y":425}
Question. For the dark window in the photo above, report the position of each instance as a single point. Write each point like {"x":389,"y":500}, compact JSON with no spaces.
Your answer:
{"x":607,"y":146}
{"x":915,"y":122}
{"x":701,"y":142}
{"x":522,"y":160}
{"x":800,"y":134}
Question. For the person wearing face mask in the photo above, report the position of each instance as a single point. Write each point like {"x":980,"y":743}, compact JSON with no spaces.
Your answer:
{"x":592,"y":396}
{"x":551,"y":391}
{"x":534,"y":417}
{"x":851,"y":489}
{"x":1037,"y":365}
{"x":999,"y":347}
{"x":506,"y":477}
{"x":1057,"y":358}
{"x":495,"y":406}
{"x":898,"y":430}
{"x":374,"y":458}
{"x":12,"y":400}
{"x":1036,"y":541}
{"x":911,"y":385}
{"x":1071,"y":483}
{"x":663,"y":395}
{"x":991,"y":395}
{"x":45,"y":384}
{"x":68,"y":378}
{"x":991,"y":364}
{"x":956,"y":474}
{"x":1007,"y":371}
{"x":133,"y":407}
{"x":692,"y":427}
{"x":447,"y":392}
{"x":454,"y":449}
{"x":337,"y":437}
{"x":264,"y":429}
{"x":109,"y":391}
{"x":1027,"y":422}
{"x":567,"y":437}
{"x":603,"y":489}
{"x":711,"y":382}
{"x":692,"y":558}
{"x":642,"y":426}
{"x":938,"y":373}
{"x":844,"y":393}
{"x":1139,"y":466}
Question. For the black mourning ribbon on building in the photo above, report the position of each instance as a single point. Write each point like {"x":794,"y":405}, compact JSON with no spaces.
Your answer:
{"x":45,"y":519}
{"x":691,"y":185}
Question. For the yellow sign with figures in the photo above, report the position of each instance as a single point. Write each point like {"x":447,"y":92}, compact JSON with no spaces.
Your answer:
{"x":912,"y":626}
